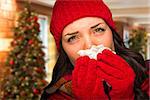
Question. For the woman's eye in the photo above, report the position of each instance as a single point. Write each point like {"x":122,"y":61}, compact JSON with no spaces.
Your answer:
{"x":99,"y":30}
{"x":72,"y":38}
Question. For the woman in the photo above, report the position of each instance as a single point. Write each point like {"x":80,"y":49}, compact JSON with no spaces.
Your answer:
{"x":78,"y":25}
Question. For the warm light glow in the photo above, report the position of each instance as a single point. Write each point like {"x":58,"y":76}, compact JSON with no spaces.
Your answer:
{"x":6,"y":5}
{"x":5,"y":44}
{"x":148,"y":34}
{"x":136,"y":24}
{"x":7,"y":8}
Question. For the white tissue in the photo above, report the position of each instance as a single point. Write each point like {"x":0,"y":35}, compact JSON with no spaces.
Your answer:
{"x":93,"y":51}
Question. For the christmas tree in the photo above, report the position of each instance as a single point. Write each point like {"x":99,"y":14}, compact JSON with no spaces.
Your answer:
{"x":26,"y":60}
{"x":138,"y":41}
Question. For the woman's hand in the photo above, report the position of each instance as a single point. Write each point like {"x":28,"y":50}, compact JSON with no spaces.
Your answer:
{"x":89,"y":76}
{"x":118,"y":73}
{"x":85,"y":83}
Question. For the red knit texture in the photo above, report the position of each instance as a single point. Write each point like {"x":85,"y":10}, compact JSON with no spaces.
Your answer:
{"x":85,"y":83}
{"x":89,"y":73}
{"x":67,"y":11}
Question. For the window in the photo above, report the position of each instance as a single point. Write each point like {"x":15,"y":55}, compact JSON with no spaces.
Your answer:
{"x":43,"y":21}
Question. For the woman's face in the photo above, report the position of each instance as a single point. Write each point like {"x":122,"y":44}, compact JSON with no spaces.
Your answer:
{"x":83,"y":33}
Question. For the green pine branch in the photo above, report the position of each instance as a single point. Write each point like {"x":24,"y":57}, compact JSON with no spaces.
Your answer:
{"x":26,"y":60}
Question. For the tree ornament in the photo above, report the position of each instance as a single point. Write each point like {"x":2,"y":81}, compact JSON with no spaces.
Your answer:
{"x":19,"y":56}
{"x":26,"y":78}
{"x":17,"y":96}
{"x":35,"y":85}
{"x":20,"y":38}
{"x":11,"y":62}
{"x":39,"y":70}
{"x":22,"y":93}
{"x":32,"y":45}
{"x":28,"y":19}
{"x":21,"y":47}
{"x":13,"y":43}
{"x":44,"y":82}
{"x":24,"y":81}
{"x":35,"y":91}
{"x":24,"y":68}
{"x":36,"y":25}
{"x":34,"y":60}
{"x":2,"y":93}
{"x":35,"y":18}
{"x":31,"y":95}
{"x":27,"y":83}
{"x":16,"y":73}
{"x":42,"y":53}
{"x":22,"y":84}
{"x":30,"y":42}
{"x":15,"y":90}
{"x":29,"y":59}
{"x":21,"y":79}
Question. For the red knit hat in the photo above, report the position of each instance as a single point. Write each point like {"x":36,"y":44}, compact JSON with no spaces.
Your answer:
{"x":67,"y":11}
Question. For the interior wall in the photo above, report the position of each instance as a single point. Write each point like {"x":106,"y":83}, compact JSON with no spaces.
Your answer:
{"x":6,"y":33}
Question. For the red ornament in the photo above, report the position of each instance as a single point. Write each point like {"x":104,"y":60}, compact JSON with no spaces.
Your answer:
{"x":37,"y":25}
{"x":36,"y":91}
{"x":22,"y":93}
{"x":22,"y":79}
{"x":44,"y":82}
{"x":42,"y":53}
{"x":30,"y":42}
{"x":29,"y":19}
{"x":39,"y":70}
{"x":20,"y":38}
{"x":28,"y":27}
{"x":25,"y":28}
{"x":11,"y":62}
{"x":13,"y":43}
{"x":35,"y":18}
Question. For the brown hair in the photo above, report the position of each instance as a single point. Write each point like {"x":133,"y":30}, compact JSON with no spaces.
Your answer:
{"x":136,"y":61}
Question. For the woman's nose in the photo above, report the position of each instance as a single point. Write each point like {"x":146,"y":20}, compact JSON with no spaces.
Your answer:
{"x":88,"y":42}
